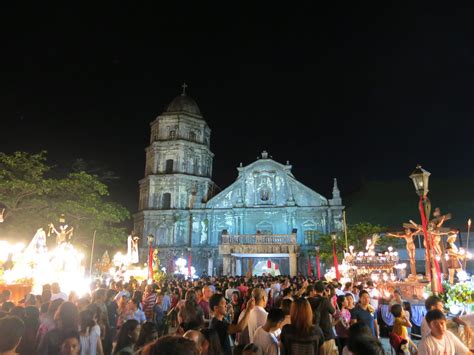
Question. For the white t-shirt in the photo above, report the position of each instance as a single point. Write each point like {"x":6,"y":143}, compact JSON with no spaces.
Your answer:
{"x":89,"y":342}
{"x":374,"y":297}
{"x":448,"y":345}
{"x":257,"y":318}
{"x":425,"y":328}
{"x":267,"y":341}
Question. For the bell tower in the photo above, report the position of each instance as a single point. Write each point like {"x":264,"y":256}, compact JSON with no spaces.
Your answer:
{"x":178,"y":172}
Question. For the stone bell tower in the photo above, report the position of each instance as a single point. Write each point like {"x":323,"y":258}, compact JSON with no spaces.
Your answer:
{"x":178,"y":174}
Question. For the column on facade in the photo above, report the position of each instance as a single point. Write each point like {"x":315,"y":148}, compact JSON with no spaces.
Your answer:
{"x":293,"y":264}
{"x":210,"y":266}
{"x":238,"y":266}
{"x":226,"y":265}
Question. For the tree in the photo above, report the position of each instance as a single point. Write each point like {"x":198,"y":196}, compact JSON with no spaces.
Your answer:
{"x":32,"y":198}
{"x":357,"y":235}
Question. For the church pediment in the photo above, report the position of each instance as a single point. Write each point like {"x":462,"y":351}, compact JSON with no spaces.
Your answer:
{"x":266,"y":183}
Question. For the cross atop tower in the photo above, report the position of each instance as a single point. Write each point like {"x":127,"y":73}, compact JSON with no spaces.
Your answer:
{"x":184,"y":86}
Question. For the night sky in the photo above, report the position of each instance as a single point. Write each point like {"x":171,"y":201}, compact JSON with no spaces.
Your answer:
{"x":361,"y":93}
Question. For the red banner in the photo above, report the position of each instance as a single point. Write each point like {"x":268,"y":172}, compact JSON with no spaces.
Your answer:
{"x":318,"y":266}
{"x":269,"y":264}
{"x":429,"y":242}
{"x":150,"y":263}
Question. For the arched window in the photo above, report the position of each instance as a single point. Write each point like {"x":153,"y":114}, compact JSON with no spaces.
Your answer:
{"x":192,"y":136}
{"x":172,"y":134}
{"x":166,"y":201}
{"x":169,"y":166}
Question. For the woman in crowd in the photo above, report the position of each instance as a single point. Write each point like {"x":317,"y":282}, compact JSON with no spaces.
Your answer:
{"x":301,"y":337}
{"x":31,"y":320}
{"x":147,"y":334}
{"x":365,"y":313}
{"x":212,"y":344}
{"x":190,"y":315}
{"x":127,"y":338}
{"x":67,"y":319}
{"x":90,"y":333}
{"x":342,"y":319}
{"x":48,"y":322}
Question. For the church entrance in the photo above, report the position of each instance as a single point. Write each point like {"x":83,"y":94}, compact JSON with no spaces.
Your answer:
{"x":260,"y":264}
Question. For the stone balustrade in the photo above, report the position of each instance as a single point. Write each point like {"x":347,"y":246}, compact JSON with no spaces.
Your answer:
{"x":252,"y":239}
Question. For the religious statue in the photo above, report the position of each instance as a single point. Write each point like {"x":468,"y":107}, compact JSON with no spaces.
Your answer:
{"x":63,"y":235}
{"x":132,"y":249}
{"x":38,"y":243}
{"x":410,"y":245}
{"x":455,"y":256}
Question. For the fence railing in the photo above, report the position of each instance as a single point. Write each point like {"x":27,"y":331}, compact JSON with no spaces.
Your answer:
{"x":259,"y":239}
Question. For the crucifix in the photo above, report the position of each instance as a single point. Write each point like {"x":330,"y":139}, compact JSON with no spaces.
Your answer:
{"x":184,"y":86}
{"x":410,"y":245}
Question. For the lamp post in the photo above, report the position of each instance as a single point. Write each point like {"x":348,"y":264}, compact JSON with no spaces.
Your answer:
{"x":150,"y":239}
{"x":318,"y":265}
{"x":420,"y":178}
{"x":334,"y":255}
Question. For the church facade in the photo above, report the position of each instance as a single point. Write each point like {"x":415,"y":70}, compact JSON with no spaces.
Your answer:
{"x":265,"y":216}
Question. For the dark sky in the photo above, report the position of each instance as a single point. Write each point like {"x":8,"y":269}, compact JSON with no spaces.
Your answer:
{"x":357,"y":93}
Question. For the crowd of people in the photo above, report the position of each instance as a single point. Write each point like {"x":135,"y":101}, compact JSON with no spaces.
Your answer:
{"x":224,"y":315}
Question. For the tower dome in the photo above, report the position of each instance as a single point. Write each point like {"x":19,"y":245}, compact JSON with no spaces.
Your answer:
{"x":184,"y":103}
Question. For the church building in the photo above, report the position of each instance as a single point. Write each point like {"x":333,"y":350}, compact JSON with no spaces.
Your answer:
{"x":265,"y":220}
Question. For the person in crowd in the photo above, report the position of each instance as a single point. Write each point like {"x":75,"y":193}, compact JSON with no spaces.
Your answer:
{"x":170,"y":344}
{"x":401,"y":323}
{"x":252,"y":349}
{"x":342,"y":318}
{"x":67,"y":319}
{"x":150,"y":301}
{"x":127,"y":338}
{"x":265,"y":335}
{"x":365,"y":345}
{"x":70,"y":343}
{"x":396,"y":298}
{"x":218,"y":307}
{"x":212,"y":345}
{"x":197,"y":337}
{"x":350,"y":301}
{"x":134,"y":312}
{"x":258,"y":315}
{"x":56,"y":292}
{"x":440,"y":341}
{"x":112,"y":314}
{"x":191,"y":315}
{"x":323,"y":310}
{"x":11,"y":331}
{"x":166,"y":301}
{"x":204,"y":302}
{"x":5,"y":296}
{"x":364,"y":312}
{"x":91,"y":343}
{"x":357,"y":330}
{"x":286,"y":308}
{"x":374,"y":294}
{"x":148,"y":334}
{"x":31,"y":320}
{"x":7,"y":306}
{"x":48,"y":322}
{"x":236,"y":303}
{"x":407,"y":310}
{"x":301,"y":336}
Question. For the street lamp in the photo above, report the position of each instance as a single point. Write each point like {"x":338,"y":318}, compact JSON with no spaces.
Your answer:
{"x":420,"y":178}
